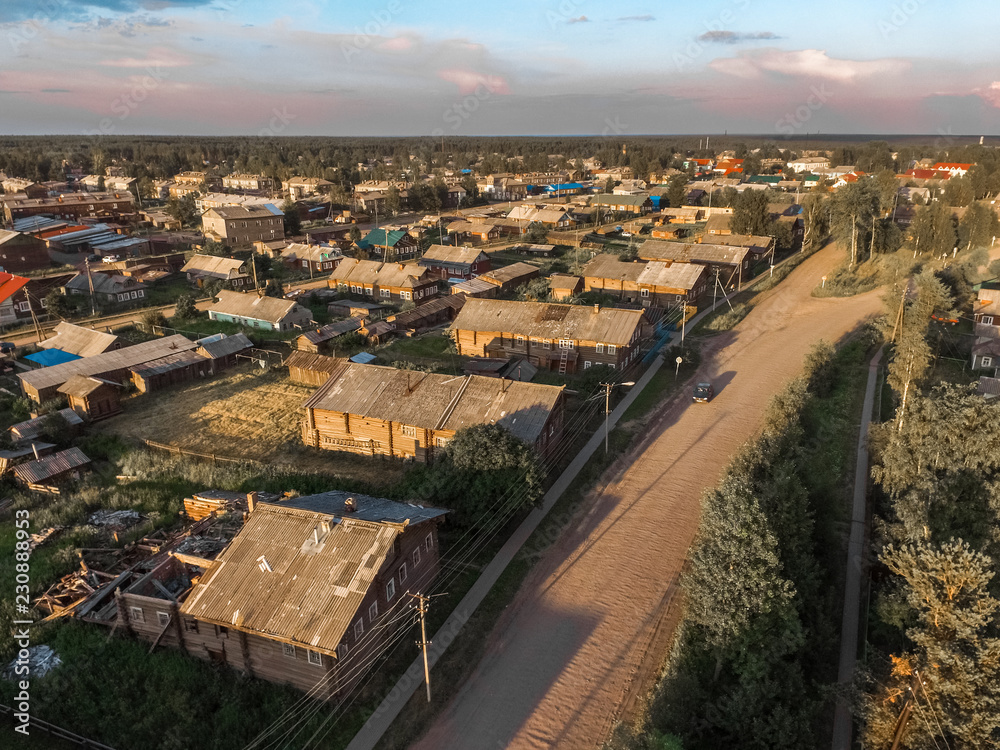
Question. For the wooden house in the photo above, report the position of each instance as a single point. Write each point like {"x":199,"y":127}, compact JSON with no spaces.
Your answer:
{"x":478,"y":287}
{"x":311,"y":369}
{"x":32,"y":428}
{"x":343,"y":308}
{"x":83,"y":342}
{"x":376,"y":410}
{"x":322,"y":339}
{"x":92,"y":397}
{"x":607,"y":274}
{"x":562,"y":286}
{"x":203,"y":268}
{"x":665,"y":284}
{"x":637,"y":205}
{"x":383,"y":281}
{"x":448,"y":262}
{"x":342,"y":562}
{"x":256,"y":311}
{"x":390,"y":245}
{"x":511,"y":277}
{"x":49,"y":473}
{"x":474,"y":231}
{"x":731,"y":262}
{"x":563,"y":338}
{"x":312,"y":258}
{"x":434,"y":313}
{"x":24,"y":453}
{"x":41,"y":385}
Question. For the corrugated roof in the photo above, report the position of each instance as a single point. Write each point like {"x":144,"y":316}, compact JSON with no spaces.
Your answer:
{"x":450,"y":254}
{"x":375,"y":509}
{"x":81,"y":385}
{"x":32,"y":428}
{"x":988,"y":386}
{"x":355,"y":271}
{"x":332,"y":330}
{"x":472,"y":286}
{"x":250,"y":305}
{"x":119,"y":359}
{"x":294,"y":575}
{"x":409,"y":318}
{"x":35,"y":472}
{"x":609,"y":325}
{"x":510,"y":273}
{"x":439,"y":402}
{"x":671,"y":275}
{"x":313,"y":362}
{"x":10,"y":285}
{"x":83,"y":342}
{"x":228,"y":345}
{"x":686,"y":252}
{"x":169,"y":363}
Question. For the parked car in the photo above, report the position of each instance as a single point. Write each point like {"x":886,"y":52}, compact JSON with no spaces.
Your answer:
{"x":111,"y":259}
{"x":703,"y":393}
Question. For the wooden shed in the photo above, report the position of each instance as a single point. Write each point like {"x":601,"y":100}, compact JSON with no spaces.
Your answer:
{"x":92,"y":397}
{"x":49,"y":473}
{"x":310,"y":369}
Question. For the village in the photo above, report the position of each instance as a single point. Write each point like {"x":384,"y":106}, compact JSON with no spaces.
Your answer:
{"x":235,"y":401}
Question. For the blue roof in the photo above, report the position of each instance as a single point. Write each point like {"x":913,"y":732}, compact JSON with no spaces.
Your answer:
{"x":364,"y":358}
{"x":50,"y":357}
{"x":563,"y":186}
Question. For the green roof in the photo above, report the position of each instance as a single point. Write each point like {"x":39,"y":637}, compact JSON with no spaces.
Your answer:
{"x":382,"y":238}
{"x":770,"y":179}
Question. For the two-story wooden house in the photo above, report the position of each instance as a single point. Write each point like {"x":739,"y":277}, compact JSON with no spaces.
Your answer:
{"x":454,"y":262}
{"x":563,"y":338}
{"x":383,"y":281}
{"x":376,"y":410}
{"x":305,"y":594}
{"x":731,"y":264}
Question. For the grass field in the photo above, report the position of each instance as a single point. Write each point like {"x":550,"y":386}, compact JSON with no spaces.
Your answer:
{"x":246,"y":414}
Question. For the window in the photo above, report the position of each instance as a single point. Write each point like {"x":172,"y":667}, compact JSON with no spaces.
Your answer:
{"x":986,"y":361}
{"x":342,"y":651}
{"x":405,"y":295}
{"x":390,"y":589}
{"x":520,"y":340}
{"x":644,"y":292}
{"x":288,"y":650}
{"x":429,"y":542}
{"x":547,"y":343}
{"x":222,"y":631}
{"x":316,"y":658}
{"x":373,"y":612}
{"x":23,"y":307}
{"x":416,"y":557}
{"x":163,"y":618}
{"x":586,"y":365}
{"x":612,"y":348}
{"x":384,"y":292}
{"x":136,"y":614}
{"x":190,"y":626}
{"x":441,"y":442}
{"x":135,"y":295}
{"x":987,"y":320}
{"x":402,"y":573}
{"x":409,"y":431}
{"x":359,"y":628}
{"x":565,"y":344}
{"x":599,"y":348}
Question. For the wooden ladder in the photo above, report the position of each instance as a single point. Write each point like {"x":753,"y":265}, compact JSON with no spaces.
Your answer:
{"x":563,"y":361}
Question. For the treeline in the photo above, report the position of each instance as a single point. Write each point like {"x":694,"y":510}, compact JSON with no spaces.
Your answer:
{"x":933,"y":673}
{"x":758,"y":646}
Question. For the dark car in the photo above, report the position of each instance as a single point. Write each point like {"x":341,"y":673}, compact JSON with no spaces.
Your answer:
{"x":7,"y":347}
{"x":703,"y":392}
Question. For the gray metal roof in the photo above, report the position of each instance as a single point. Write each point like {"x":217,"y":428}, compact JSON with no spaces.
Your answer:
{"x":34,"y":472}
{"x":83,"y":342}
{"x":376,"y":509}
{"x":606,"y":266}
{"x":686,"y":252}
{"x":32,"y":428}
{"x":227,"y":345}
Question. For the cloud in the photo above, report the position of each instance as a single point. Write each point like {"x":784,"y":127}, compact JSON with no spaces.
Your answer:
{"x":72,"y":10}
{"x":581,"y":19}
{"x":807,"y":63}
{"x":468,"y":81}
{"x":56,"y":91}
{"x":735,"y":37}
{"x":991,"y":94}
{"x":646,"y":17}
{"x":159,"y":57}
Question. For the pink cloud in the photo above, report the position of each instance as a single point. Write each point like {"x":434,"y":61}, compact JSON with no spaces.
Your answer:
{"x":991,"y":94}
{"x":159,"y":57}
{"x":469,"y":80}
{"x":807,"y":63}
{"x":397,"y":44}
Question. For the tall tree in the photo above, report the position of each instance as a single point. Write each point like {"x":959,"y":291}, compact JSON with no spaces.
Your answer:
{"x":815,"y":218}
{"x":751,"y":213}
{"x":677,"y":190}
{"x":293,"y":223}
{"x":854,"y":209}
{"x":978,"y":226}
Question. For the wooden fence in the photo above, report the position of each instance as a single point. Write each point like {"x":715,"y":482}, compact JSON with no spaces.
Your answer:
{"x":213,"y":457}
{"x":63,"y":734}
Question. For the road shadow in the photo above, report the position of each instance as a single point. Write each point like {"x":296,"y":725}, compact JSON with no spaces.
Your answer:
{"x":719,"y":382}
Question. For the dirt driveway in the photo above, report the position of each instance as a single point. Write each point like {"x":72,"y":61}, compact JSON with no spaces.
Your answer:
{"x":592,"y":621}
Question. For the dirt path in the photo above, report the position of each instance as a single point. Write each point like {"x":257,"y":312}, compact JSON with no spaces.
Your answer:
{"x":589,"y":625}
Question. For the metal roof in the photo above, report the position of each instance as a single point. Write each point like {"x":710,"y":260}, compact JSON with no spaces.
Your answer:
{"x":169,"y":363}
{"x":660,"y":273}
{"x":355,"y":271}
{"x":294,"y":575}
{"x":215,"y":266}
{"x":226,"y":345}
{"x":451,"y":254}
{"x":250,"y":305}
{"x":50,"y":357}
{"x":607,"y":266}
{"x":81,"y":385}
{"x":686,"y":252}
{"x":32,"y":428}
{"x":119,"y":359}
{"x":510,"y":273}
{"x":37,"y":471}
{"x":609,"y":325}
{"x":438,"y":402}
{"x":375,"y":509}
{"x":332,"y":330}
{"x":410,"y":318}
{"x":83,"y":342}
{"x":10,"y":285}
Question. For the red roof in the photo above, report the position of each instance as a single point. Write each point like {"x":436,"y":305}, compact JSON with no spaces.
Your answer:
{"x":950,"y":165}
{"x":927,"y":174}
{"x":10,"y":285}
{"x":64,"y":230}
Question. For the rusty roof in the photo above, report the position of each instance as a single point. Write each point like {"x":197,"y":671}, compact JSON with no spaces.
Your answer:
{"x":294,"y":575}
{"x":438,"y":402}
{"x":34,"y":472}
{"x":609,"y":325}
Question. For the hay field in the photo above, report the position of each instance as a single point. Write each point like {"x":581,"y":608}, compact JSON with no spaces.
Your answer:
{"x":245,"y":414}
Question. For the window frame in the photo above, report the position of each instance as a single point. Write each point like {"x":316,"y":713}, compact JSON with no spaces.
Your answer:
{"x":403,"y":573}
{"x":372,"y":611}
{"x":288,"y":649}
{"x":390,"y":591}
{"x":314,"y":657}
{"x":135,"y":614}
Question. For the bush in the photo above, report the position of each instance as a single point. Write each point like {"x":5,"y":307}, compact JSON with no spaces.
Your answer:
{"x":728,"y":319}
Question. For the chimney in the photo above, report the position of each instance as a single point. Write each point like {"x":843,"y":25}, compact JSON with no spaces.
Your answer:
{"x":251,"y":501}
{"x":350,"y":505}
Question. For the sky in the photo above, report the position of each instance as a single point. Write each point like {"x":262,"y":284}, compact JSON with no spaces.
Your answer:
{"x":517,"y":67}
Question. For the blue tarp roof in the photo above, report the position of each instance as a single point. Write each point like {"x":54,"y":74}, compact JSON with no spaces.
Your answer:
{"x":50,"y":357}
{"x":364,"y":358}
{"x":563,"y":186}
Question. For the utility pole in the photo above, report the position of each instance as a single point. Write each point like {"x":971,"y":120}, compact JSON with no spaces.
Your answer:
{"x":607,"y":411}
{"x":34,"y":318}
{"x":423,"y":643}
{"x":90,"y":282}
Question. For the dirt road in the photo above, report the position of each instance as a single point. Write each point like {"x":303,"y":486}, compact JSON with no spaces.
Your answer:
{"x":591,"y":622}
